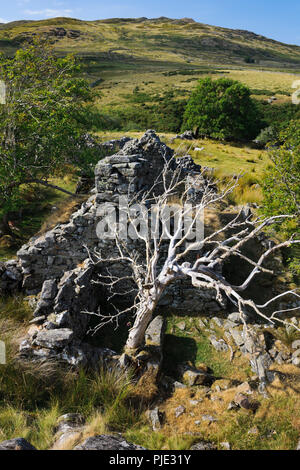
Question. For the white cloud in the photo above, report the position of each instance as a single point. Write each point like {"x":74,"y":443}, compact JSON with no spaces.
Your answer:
{"x":48,"y":12}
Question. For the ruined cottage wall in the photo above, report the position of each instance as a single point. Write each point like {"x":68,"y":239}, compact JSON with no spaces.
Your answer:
{"x":134,"y":168}
{"x":62,"y":249}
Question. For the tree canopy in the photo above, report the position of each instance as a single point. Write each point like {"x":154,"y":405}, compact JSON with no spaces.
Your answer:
{"x":222,"y":109}
{"x":43,"y":118}
{"x":281,"y":183}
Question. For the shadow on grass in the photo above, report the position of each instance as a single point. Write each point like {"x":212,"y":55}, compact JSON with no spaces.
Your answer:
{"x":176,"y":350}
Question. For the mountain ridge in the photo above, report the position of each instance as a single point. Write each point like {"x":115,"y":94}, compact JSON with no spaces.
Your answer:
{"x":178,"y":41}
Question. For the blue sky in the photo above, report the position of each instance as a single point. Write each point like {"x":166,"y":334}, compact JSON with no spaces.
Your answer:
{"x":276,"y":19}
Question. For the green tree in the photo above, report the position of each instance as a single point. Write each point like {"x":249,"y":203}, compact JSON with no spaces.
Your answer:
{"x":42,"y":121}
{"x":281,"y":183}
{"x":222,"y":109}
{"x":281,"y":188}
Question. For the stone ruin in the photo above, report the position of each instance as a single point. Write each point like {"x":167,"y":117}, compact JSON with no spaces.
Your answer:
{"x":56,"y":273}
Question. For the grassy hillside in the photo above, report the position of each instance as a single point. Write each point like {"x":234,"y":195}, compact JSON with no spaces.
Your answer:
{"x":160,"y":42}
{"x":162,"y":54}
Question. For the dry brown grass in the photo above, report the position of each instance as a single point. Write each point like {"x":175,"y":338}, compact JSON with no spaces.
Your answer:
{"x":145,"y":391}
{"x":62,"y":214}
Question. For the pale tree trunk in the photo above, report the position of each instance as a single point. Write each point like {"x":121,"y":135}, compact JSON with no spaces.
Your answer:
{"x":137,"y":332}
{"x":143,"y":317}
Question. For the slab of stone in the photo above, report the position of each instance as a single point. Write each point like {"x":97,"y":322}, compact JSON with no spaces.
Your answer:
{"x":192,"y":376}
{"x":54,"y":339}
{"x":107,"y":442}
{"x":155,"y":332}
{"x":49,"y":289}
{"x":203,"y":445}
{"x":155,"y":418}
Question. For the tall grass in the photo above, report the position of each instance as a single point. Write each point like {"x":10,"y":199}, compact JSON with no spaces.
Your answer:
{"x":34,"y":394}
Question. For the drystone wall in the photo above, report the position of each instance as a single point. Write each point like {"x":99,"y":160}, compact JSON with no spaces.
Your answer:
{"x":55,"y":267}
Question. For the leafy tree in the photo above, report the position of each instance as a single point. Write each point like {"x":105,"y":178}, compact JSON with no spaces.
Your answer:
{"x":278,"y":116}
{"x":281,"y":184}
{"x":222,"y":109}
{"x":42,"y":121}
{"x":281,"y":188}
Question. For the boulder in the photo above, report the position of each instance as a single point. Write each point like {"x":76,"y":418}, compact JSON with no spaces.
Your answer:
{"x":16,"y":444}
{"x":53,"y":339}
{"x":180,"y":410}
{"x":192,"y":376}
{"x":203,"y":445}
{"x":245,"y":402}
{"x":107,"y":442}
{"x":155,"y":332}
{"x":155,"y":418}
{"x":49,"y":289}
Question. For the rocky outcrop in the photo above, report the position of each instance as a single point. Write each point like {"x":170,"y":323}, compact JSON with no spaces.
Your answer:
{"x":256,"y":341}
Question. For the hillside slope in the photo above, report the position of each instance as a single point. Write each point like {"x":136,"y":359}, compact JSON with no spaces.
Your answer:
{"x":160,"y":42}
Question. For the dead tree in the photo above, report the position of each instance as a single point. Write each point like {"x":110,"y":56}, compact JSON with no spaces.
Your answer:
{"x":153,"y":269}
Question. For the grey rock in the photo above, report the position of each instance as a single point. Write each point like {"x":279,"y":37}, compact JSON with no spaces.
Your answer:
{"x":245,"y":402}
{"x":16,"y":444}
{"x":296,"y":344}
{"x":225,"y":445}
{"x":155,"y":418}
{"x":235,"y":317}
{"x":37,"y":320}
{"x":177,"y":384}
{"x":203,"y":445}
{"x":195,"y":402}
{"x":180,"y":410}
{"x":219,"y":345}
{"x":260,"y":366}
{"x":107,"y":442}
{"x":237,"y":336}
{"x":215,"y":321}
{"x":192,"y":376}
{"x":155,"y":332}
{"x":53,"y":339}
{"x":49,"y":290}
{"x":209,"y":418}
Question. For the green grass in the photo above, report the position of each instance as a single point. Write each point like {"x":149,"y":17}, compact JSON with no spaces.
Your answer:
{"x":193,"y":345}
{"x":33,"y":395}
{"x":226,"y":159}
